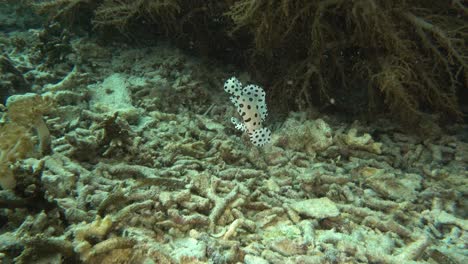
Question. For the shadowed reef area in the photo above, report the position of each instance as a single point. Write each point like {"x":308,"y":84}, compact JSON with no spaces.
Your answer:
{"x":407,"y":58}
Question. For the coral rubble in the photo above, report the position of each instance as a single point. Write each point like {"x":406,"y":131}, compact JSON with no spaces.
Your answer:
{"x":126,"y":154}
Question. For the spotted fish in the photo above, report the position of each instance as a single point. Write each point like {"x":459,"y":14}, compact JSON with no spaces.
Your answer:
{"x":251,"y":106}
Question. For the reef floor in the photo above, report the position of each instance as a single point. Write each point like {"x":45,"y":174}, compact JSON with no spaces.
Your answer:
{"x":145,"y":166}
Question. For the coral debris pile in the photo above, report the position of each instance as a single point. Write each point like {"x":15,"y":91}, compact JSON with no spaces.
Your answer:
{"x":146,"y":168}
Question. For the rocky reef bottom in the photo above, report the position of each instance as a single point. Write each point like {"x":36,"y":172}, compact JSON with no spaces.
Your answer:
{"x":142,"y":165}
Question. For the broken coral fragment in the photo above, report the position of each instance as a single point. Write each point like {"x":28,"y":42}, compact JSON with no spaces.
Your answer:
{"x":85,"y":233}
{"x":364,"y":142}
{"x":114,"y":95}
{"x":310,"y":136}
{"x":319,"y":208}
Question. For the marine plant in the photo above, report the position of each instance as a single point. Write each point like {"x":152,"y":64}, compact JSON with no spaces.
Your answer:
{"x":120,"y":13}
{"x":407,"y":58}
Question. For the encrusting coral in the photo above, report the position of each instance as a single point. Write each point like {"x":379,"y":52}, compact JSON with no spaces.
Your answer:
{"x":22,"y":121}
{"x":27,"y":110}
{"x":15,"y":145}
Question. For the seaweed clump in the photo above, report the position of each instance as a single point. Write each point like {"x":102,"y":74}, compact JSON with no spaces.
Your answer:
{"x":405,"y":57}
{"x":409,"y":57}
